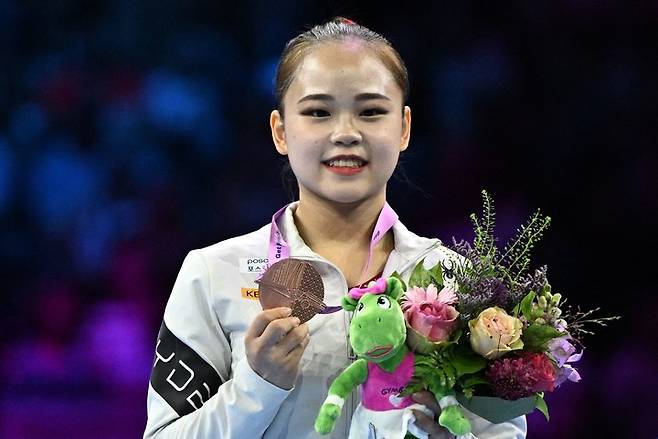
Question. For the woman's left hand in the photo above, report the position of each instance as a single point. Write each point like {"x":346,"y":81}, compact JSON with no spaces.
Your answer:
{"x":428,"y":424}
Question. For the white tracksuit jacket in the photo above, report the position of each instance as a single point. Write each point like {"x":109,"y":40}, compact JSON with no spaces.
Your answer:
{"x":201,"y":384}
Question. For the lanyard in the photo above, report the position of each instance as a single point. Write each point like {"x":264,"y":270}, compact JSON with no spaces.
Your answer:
{"x":280,"y":250}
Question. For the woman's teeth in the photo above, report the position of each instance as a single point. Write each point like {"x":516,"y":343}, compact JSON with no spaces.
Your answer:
{"x":346,"y":163}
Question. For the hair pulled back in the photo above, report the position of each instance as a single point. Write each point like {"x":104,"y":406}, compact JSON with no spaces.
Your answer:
{"x":338,"y":29}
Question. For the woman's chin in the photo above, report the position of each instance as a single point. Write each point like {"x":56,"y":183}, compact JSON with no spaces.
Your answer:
{"x":349,"y":196}
{"x":350,"y":199}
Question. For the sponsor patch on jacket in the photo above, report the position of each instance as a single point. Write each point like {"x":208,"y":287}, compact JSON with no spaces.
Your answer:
{"x":253,"y":265}
{"x":180,"y":375}
{"x":249,"y":293}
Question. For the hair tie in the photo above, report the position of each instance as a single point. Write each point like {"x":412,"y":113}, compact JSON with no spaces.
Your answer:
{"x":346,"y":21}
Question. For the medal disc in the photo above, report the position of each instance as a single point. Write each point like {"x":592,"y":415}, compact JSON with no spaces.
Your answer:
{"x":293,"y":283}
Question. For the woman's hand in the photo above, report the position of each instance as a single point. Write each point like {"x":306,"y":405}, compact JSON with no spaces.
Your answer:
{"x":429,"y":425}
{"x":274,"y":344}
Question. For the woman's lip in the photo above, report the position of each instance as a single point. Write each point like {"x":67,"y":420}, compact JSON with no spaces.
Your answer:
{"x":345,"y":170}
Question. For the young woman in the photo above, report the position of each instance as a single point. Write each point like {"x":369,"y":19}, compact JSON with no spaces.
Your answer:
{"x":223,"y":367}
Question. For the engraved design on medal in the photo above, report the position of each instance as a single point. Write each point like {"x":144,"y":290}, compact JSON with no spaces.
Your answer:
{"x":294,"y":283}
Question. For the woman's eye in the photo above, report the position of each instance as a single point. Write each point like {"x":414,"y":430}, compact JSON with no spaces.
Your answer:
{"x":316,"y":113}
{"x":370,"y":112}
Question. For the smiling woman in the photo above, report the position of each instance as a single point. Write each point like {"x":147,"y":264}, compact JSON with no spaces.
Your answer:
{"x":225,"y":368}
{"x":342,"y":121}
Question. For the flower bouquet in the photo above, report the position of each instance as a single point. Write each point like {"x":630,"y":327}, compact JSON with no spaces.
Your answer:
{"x":487,"y":333}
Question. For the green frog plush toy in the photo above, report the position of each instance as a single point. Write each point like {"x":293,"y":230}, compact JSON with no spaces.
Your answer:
{"x":385,"y":365}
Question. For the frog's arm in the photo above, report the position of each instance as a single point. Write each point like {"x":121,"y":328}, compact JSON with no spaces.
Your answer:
{"x":342,"y":386}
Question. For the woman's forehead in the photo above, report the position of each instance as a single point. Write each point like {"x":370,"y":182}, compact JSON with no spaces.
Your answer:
{"x":345,"y":68}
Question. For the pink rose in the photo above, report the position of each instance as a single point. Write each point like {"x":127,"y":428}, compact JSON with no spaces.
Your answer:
{"x":429,"y":312}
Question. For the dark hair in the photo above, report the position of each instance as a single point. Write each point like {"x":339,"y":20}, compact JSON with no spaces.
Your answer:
{"x":338,"y":29}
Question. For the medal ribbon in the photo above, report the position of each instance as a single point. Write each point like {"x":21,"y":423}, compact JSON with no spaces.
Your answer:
{"x":280,"y":250}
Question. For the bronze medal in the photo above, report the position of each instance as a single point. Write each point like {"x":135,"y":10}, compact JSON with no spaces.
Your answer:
{"x":293,"y":283}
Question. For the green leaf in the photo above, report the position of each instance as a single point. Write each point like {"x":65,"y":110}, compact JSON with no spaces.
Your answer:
{"x":422,"y":369}
{"x":424,"y":359}
{"x":536,"y":336}
{"x":419,"y":276}
{"x":516,"y":310}
{"x":425,"y":363}
{"x":474,"y":380}
{"x":437,"y":275}
{"x":540,"y":404}
{"x":466,"y":362}
{"x":468,"y":385}
{"x":526,"y":304}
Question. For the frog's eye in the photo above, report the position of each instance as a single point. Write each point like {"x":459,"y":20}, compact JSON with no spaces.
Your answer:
{"x":360,"y":307}
{"x":383,"y":302}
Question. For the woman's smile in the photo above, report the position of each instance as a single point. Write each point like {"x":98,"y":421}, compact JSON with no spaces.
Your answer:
{"x":345,"y":164}
{"x":345,"y":170}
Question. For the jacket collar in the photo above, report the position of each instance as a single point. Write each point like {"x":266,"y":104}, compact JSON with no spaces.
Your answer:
{"x":408,"y":247}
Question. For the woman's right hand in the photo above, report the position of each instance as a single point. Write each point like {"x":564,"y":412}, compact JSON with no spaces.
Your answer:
{"x":274,"y":344}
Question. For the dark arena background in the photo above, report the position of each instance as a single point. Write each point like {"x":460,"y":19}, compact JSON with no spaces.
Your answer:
{"x":133,"y":132}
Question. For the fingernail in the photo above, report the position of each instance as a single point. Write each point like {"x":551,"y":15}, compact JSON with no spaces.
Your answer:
{"x":287,"y":311}
{"x":297,"y":321}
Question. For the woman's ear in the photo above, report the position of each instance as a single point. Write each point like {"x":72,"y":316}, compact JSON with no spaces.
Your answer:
{"x":278,"y":132}
{"x":406,"y":128}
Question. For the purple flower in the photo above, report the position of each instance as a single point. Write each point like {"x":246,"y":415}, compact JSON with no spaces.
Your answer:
{"x":562,"y":352}
{"x":566,"y":373}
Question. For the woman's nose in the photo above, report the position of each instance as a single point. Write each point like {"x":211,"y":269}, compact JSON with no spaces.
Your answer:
{"x":345,"y":133}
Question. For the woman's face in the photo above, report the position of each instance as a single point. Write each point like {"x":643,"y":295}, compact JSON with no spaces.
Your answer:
{"x":344,"y":126}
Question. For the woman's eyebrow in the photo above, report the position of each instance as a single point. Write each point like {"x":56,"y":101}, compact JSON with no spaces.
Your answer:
{"x":371,"y":96}
{"x":326,"y":97}
{"x":316,"y":97}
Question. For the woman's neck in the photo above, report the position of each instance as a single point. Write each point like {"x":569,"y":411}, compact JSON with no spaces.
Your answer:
{"x":323,"y":223}
{"x":342,"y":233}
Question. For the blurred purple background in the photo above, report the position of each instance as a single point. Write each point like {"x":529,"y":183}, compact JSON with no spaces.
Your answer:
{"x":133,"y":132}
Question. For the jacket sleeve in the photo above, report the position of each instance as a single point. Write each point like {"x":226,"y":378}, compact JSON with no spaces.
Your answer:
{"x":193,"y":393}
